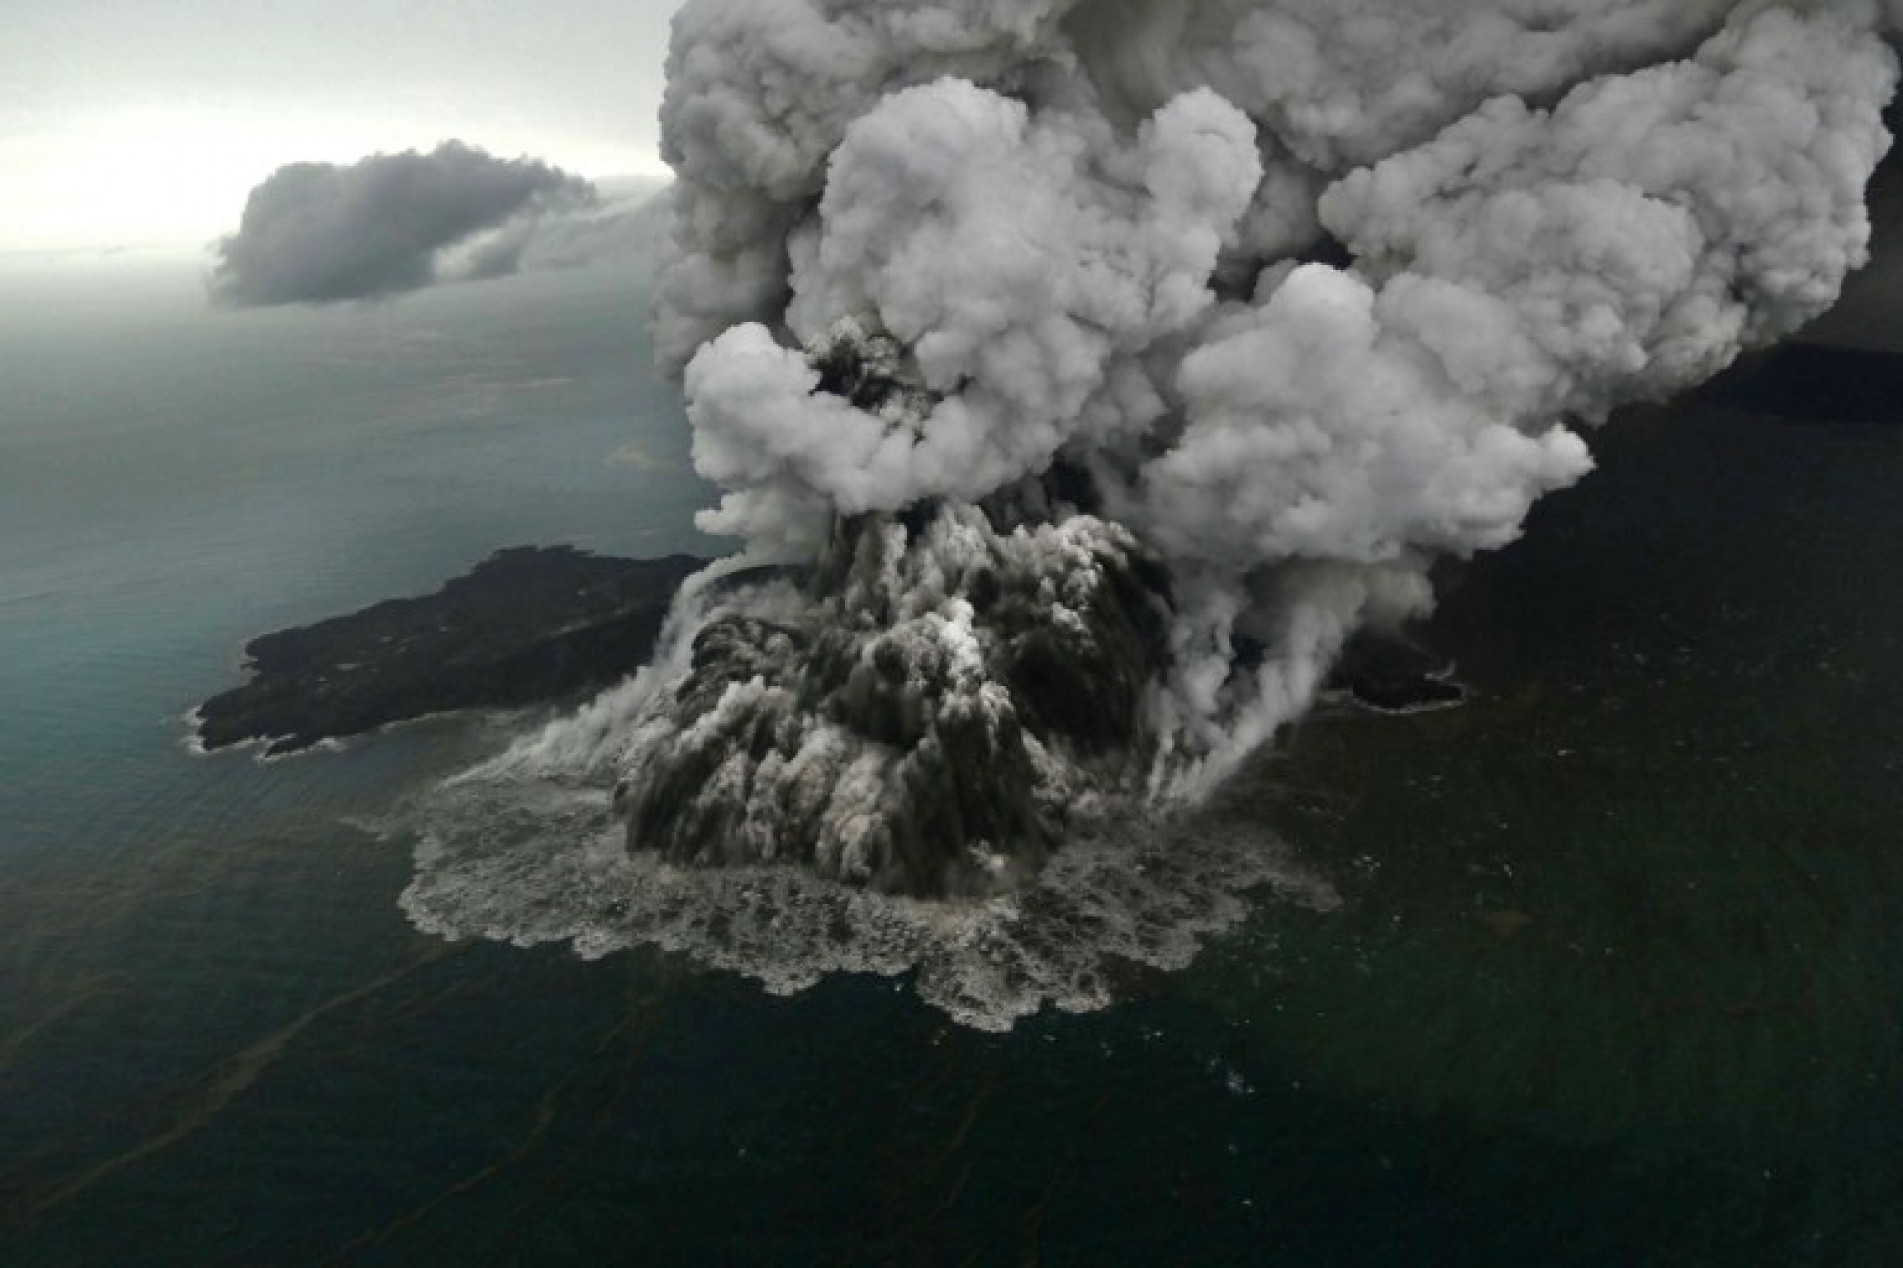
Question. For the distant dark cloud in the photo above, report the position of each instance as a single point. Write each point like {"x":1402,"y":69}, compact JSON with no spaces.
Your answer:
{"x":316,"y":233}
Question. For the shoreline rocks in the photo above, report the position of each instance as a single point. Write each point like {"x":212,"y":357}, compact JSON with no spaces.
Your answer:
{"x":525,"y":626}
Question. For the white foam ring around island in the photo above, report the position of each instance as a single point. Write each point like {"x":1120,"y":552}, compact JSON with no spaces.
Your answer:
{"x":507,"y":852}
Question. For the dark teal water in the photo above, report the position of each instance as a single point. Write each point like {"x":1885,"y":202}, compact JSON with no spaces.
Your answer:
{"x":1618,"y":978}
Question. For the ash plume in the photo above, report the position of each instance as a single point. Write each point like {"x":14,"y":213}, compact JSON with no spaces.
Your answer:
{"x":320,"y":233}
{"x":1082,"y":232}
{"x":1088,"y":371}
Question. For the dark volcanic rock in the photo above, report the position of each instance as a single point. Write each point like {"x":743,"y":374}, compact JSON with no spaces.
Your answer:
{"x":1385,"y":672}
{"x":525,"y":626}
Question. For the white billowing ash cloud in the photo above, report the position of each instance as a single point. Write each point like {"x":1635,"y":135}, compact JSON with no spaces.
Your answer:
{"x":318,"y":233}
{"x":1076,"y":234}
{"x":759,"y":96}
{"x":1522,"y":268}
{"x":1020,"y":278}
{"x":1091,"y":370}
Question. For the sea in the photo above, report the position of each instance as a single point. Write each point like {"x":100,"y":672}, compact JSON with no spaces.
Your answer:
{"x":1610,"y":970}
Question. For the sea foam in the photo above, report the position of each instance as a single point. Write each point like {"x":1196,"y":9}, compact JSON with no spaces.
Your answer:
{"x":512,"y":852}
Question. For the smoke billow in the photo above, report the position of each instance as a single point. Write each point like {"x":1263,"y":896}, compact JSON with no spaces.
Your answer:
{"x":891,"y":723}
{"x":1099,"y":366}
{"x":318,"y":233}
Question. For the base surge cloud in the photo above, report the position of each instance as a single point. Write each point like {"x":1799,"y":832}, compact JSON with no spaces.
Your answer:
{"x":1083,"y":373}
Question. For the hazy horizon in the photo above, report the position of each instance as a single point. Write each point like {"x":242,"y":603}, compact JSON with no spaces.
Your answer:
{"x":146,"y":125}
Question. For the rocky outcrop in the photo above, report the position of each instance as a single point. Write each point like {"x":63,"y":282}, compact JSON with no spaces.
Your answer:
{"x":528,"y":625}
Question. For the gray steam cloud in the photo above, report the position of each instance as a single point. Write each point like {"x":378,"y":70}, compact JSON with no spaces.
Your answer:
{"x":1094,"y":232}
{"x":318,"y":233}
{"x":629,"y":226}
{"x":1090,"y":370}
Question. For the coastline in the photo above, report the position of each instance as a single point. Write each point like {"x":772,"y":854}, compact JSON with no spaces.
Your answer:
{"x":525,"y":626}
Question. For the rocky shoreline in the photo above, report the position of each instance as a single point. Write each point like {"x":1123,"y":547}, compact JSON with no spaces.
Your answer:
{"x":526,"y":626}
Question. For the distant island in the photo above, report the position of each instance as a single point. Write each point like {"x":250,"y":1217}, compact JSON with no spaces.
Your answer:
{"x":526,"y":626}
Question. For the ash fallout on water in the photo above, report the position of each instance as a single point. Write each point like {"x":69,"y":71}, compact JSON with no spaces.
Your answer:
{"x":1101,"y":367}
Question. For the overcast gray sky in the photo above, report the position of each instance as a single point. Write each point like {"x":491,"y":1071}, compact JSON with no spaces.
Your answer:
{"x":145,"y":122}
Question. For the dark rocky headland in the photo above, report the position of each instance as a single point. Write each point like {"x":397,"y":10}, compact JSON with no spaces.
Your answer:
{"x":533,"y":625}
{"x":526,"y":626}
{"x":1389,"y":673}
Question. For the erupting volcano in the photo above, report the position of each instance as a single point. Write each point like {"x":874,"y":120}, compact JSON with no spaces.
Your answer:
{"x":1081,"y":374}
